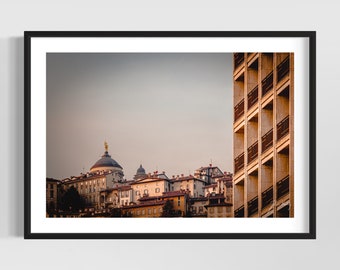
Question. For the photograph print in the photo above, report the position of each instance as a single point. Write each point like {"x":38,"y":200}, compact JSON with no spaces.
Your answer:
{"x":170,"y":135}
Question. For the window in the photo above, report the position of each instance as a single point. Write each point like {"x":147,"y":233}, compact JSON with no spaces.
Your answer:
{"x":145,"y":191}
{"x":149,"y":211}
{"x":211,"y":210}
{"x":143,"y":212}
{"x":200,"y":209}
{"x":137,"y":192}
{"x":138,"y":212}
{"x":179,"y":202}
{"x":157,"y":190}
{"x":51,"y":194}
{"x":154,"y":210}
{"x":194,"y":186}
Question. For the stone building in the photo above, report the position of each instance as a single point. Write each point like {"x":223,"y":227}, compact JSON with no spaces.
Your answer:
{"x":106,"y":173}
{"x":52,"y":188}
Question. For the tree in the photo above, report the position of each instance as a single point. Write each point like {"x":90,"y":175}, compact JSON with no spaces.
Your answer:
{"x":169,"y":211}
{"x":71,"y":200}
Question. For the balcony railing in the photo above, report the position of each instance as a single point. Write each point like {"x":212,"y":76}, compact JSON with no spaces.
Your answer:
{"x":283,"y":128}
{"x":253,"y":206}
{"x":252,"y":152}
{"x":282,"y":187}
{"x":283,"y":69}
{"x":239,"y":110}
{"x":239,"y":212}
{"x":239,"y":162}
{"x":238,"y":59}
{"x":267,"y":197}
{"x":253,"y":97}
{"x":267,"y":83}
{"x":250,"y":55}
{"x":267,"y":140}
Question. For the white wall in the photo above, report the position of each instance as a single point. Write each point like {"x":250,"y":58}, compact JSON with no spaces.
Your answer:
{"x":17,"y":16}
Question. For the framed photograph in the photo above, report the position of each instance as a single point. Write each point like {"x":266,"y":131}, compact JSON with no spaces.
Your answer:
{"x":170,"y":135}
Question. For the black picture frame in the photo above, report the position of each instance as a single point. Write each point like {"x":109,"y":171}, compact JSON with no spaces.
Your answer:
{"x":28,"y":192}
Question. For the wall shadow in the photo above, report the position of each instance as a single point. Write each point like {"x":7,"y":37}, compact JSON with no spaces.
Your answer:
{"x":16,"y":94}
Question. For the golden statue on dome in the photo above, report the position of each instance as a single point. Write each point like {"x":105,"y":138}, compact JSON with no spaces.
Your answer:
{"x":106,"y":146}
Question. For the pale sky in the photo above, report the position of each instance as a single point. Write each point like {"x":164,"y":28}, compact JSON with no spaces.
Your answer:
{"x":171,"y":112}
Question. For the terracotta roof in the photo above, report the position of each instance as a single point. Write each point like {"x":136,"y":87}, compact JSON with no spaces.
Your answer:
{"x":209,"y":186}
{"x":216,"y":196}
{"x":199,"y":199}
{"x":185,"y":178}
{"x":218,"y":204}
{"x":165,"y":195}
{"x":144,"y":204}
{"x":52,"y":180}
{"x":85,"y":177}
{"x":148,"y":179}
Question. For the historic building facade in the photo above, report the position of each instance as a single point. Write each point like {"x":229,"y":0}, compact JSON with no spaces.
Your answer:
{"x":106,"y":173}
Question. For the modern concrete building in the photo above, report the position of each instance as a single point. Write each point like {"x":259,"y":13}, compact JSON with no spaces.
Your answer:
{"x":263,"y":134}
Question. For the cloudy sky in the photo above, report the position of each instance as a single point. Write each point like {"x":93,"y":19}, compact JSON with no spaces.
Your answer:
{"x":171,"y":112}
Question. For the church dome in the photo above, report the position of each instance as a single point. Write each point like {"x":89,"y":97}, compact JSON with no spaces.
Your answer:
{"x":140,"y":170}
{"x":140,"y":173}
{"x":106,"y":162}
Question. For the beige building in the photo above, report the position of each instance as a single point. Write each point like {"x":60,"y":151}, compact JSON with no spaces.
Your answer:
{"x":217,"y":206}
{"x":106,"y":173}
{"x":194,"y":185}
{"x":51,"y":195}
{"x":197,"y":206}
{"x":153,"y":185}
{"x":263,"y":134}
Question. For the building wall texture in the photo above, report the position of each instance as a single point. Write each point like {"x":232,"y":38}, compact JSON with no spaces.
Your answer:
{"x":264,"y":134}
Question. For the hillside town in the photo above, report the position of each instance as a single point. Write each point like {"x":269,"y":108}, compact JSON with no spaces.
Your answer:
{"x":104,"y":192}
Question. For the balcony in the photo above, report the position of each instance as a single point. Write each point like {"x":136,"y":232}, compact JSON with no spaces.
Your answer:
{"x":267,"y":140}
{"x":238,"y":59}
{"x":283,"y":128}
{"x":267,"y":83}
{"x":283,"y":69}
{"x":253,"y":96}
{"x":239,"y":162}
{"x":239,"y":212}
{"x":267,"y":197}
{"x":252,"y":152}
{"x":253,"y":206}
{"x":239,"y":110}
{"x":282,"y":187}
